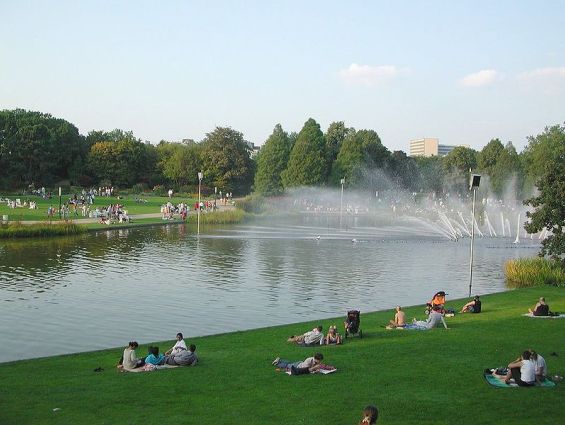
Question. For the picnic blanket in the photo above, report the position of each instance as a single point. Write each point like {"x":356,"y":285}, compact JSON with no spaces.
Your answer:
{"x":414,"y":326}
{"x":498,"y":381}
{"x":557,"y":316}
{"x":147,"y":368}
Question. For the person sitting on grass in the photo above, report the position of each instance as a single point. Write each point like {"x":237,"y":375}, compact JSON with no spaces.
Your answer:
{"x":333,"y":337}
{"x":154,"y":357}
{"x":308,"y":365}
{"x":183,"y":357}
{"x":434,"y":319}
{"x":179,"y":346}
{"x":129,"y":360}
{"x":540,"y":309}
{"x":523,"y":371}
{"x":473,"y":306}
{"x":399,"y":319}
{"x":370,"y":416}
{"x":540,"y":366}
{"x":309,"y":338}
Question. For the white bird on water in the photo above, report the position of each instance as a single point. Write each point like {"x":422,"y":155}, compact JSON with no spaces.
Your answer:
{"x":354,"y":240}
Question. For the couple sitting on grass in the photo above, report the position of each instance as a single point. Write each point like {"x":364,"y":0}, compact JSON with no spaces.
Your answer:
{"x":525,"y":370}
{"x":540,"y":309}
{"x":316,"y":337}
{"x":178,"y":355}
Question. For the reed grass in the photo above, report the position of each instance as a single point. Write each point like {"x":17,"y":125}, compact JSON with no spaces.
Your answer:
{"x":530,"y":272}
{"x":233,"y":216}
{"x":17,"y":230}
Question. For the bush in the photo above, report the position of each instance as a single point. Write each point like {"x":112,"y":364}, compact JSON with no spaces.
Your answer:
{"x":139,"y":188}
{"x":528,"y":272}
{"x":18,"y":230}
{"x":233,"y":216}
{"x":254,"y":204}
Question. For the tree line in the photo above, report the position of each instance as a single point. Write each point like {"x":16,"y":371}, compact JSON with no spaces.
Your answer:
{"x":39,"y":149}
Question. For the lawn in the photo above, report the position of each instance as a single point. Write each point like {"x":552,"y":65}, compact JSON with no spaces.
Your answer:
{"x":414,"y":377}
{"x":153,"y":205}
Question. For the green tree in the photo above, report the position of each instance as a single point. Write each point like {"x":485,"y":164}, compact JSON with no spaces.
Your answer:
{"x":361,"y":152}
{"x":456,"y":165}
{"x":501,"y":164}
{"x":431,"y":173}
{"x":403,"y":170}
{"x":120,"y":158}
{"x":36,"y":148}
{"x":183,"y":164}
{"x":334,"y":137}
{"x":307,"y":163}
{"x":226,"y":161}
{"x":272,"y":161}
{"x":549,"y":205}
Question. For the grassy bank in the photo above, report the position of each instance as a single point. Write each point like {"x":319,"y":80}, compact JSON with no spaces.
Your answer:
{"x":17,"y":230}
{"x":431,"y":377}
{"x":530,"y":272}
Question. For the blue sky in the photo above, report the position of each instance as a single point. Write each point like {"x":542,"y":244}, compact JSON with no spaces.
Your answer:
{"x":464,"y":71}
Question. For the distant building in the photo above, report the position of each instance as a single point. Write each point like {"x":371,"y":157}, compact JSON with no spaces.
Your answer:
{"x":254,"y":149}
{"x":429,"y":146}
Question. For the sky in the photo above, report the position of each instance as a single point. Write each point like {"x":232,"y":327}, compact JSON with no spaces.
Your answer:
{"x":462,"y":71}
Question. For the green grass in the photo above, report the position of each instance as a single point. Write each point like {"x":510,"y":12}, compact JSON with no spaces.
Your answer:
{"x":414,"y":377}
{"x":529,"y":272}
{"x":40,"y":230}
{"x":153,"y":205}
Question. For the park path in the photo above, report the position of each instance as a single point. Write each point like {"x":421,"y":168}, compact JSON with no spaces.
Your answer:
{"x":133,"y":216}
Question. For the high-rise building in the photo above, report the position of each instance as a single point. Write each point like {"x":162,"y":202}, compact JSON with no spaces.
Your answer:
{"x":429,"y":146}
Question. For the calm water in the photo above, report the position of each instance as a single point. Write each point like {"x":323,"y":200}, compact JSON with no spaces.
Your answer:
{"x":104,"y":289}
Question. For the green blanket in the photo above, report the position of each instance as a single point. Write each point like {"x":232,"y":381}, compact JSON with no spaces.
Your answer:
{"x":498,"y":381}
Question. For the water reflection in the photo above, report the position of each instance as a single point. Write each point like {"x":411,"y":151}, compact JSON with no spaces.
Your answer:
{"x":102,"y":284}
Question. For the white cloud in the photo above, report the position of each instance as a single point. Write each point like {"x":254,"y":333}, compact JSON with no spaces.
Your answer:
{"x":481,"y":78}
{"x":543,"y":73}
{"x":367,"y":75}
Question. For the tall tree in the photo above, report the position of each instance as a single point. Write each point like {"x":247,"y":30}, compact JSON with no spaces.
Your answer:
{"x":334,"y":137}
{"x":431,"y":173}
{"x":272,"y":161}
{"x":457,"y":164}
{"x":549,"y":205}
{"x":226,"y":161}
{"x":307,"y":163}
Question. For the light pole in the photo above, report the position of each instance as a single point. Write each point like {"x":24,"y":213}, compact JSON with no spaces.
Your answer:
{"x":341,"y":202}
{"x":200,"y":175}
{"x":473,"y":185}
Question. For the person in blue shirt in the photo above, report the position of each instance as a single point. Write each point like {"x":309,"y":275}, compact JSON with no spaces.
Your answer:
{"x":154,"y":357}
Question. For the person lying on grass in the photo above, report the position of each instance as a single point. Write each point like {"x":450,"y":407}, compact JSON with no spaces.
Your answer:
{"x":399,"y":319}
{"x":129,"y":359}
{"x":473,"y":306}
{"x":522,"y":370}
{"x":333,"y":337}
{"x":433,"y":321}
{"x":183,"y":357}
{"x":309,"y":338}
{"x":540,"y":309}
{"x":178,"y":347}
{"x":308,"y":365}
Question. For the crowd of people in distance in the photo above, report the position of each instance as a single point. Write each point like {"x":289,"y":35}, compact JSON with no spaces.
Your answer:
{"x":178,"y":355}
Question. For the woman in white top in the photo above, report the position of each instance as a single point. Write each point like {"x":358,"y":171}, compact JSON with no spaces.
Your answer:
{"x":523,"y":371}
{"x":540,"y":366}
{"x":179,"y":346}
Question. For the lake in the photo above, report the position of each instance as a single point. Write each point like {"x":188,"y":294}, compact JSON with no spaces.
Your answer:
{"x":106,"y":288}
